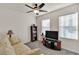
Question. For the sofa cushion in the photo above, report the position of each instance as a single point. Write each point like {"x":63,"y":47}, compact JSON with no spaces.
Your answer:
{"x":14,"y":40}
{"x":5,"y":46}
{"x":21,"y":48}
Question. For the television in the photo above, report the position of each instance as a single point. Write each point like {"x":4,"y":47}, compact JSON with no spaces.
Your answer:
{"x":52,"y":35}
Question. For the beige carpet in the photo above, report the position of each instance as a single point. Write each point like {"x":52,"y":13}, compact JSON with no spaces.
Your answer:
{"x":48,"y":51}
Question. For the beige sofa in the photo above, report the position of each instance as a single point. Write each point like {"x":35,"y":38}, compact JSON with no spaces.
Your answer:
{"x":5,"y":46}
{"x":14,"y":46}
{"x":21,"y":49}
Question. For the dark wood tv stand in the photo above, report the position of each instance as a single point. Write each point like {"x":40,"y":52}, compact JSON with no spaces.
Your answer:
{"x":53,"y":44}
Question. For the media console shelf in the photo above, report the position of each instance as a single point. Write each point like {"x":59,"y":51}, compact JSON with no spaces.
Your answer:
{"x":51,"y":40}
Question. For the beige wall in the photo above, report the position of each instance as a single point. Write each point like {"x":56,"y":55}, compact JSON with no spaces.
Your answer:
{"x":72,"y":45}
{"x":13,"y":17}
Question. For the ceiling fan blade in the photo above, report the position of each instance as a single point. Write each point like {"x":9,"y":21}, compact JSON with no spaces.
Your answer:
{"x":43,"y":11}
{"x":29,"y":11}
{"x":29,"y":6}
{"x":41,"y":5}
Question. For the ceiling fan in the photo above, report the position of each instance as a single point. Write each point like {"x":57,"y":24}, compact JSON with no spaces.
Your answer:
{"x":36,"y":8}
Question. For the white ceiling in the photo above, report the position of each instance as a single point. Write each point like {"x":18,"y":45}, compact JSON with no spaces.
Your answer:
{"x":22,"y":8}
{"x":51,"y":6}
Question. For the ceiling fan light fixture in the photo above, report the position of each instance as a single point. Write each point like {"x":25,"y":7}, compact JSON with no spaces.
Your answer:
{"x":36,"y":11}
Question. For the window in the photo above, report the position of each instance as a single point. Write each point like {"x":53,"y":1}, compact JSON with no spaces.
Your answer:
{"x":68,"y":26}
{"x":45,"y":25}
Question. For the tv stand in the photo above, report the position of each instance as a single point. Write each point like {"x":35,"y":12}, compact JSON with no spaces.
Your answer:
{"x":53,"y":44}
{"x":51,"y":40}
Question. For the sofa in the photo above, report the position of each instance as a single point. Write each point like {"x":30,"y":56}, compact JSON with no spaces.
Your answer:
{"x":21,"y":49}
{"x":14,"y":46}
{"x":5,"y":46}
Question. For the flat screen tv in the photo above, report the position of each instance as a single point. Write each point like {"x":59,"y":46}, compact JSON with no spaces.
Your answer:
{"x":52,"y":34}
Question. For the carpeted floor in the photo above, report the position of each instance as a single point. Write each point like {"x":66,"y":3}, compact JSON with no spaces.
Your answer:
{"x":47,"y":51}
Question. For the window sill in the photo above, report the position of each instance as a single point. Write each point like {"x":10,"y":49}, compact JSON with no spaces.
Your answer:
{"x":67,"y":38}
